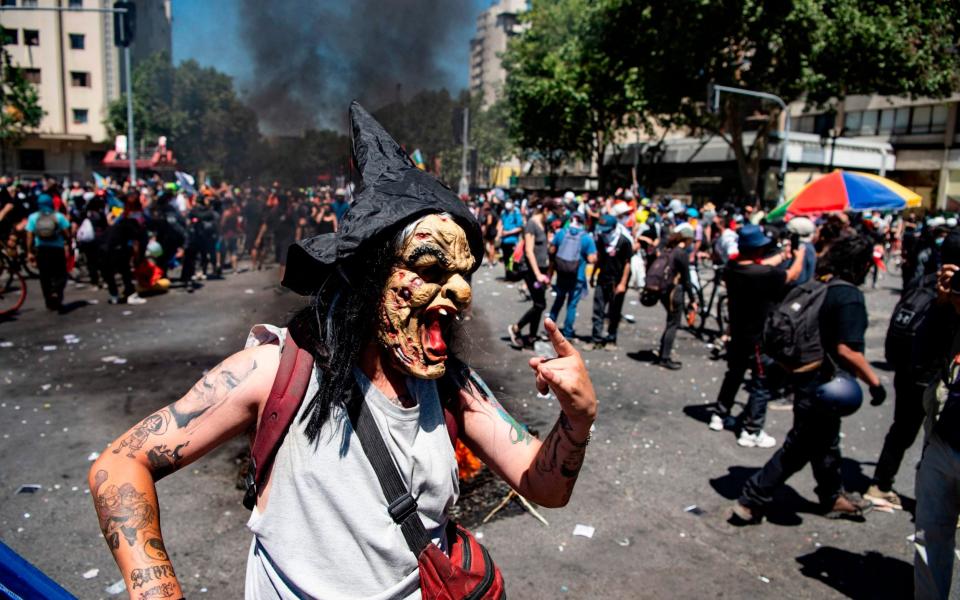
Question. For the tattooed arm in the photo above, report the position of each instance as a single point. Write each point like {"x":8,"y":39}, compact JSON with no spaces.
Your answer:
{"x":544,"y":472}
{"x":220,"y":406}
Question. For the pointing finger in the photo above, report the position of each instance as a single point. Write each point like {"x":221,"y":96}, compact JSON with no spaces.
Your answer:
{"x":560,"y":343}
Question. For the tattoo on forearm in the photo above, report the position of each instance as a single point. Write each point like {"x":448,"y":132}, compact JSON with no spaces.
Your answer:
{"x":155,"y":549}
{"x":208,"y":393}
{"x":164,"y":590}
{"x":479,"y":390}
{"x":164,"y":461}
{"x":141,"y":577}
{"x":124,"y":512}
{"x":155,"y":424}
{"x":567,"y":459}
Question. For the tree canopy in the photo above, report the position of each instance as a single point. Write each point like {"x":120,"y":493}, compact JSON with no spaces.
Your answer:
{"x":208,"y":126}
{"x":582,"y":64}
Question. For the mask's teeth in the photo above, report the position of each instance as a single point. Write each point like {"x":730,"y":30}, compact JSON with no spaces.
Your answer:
{"x":443,"y":312}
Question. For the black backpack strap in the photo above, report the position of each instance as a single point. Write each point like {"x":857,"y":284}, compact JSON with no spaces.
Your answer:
{"x":400,"y":504}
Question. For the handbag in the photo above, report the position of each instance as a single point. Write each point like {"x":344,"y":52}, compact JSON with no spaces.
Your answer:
{"x":469,"y":572}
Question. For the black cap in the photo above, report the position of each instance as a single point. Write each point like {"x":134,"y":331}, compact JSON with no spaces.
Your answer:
{"x":392,"y":192}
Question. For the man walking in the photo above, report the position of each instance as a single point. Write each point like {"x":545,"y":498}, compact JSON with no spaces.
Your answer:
{"x":614,"y":266}
{"x":510,"y":226}
{"x":48,"y":240}
{"x":573,"y":248}
{"x":754,"y":285}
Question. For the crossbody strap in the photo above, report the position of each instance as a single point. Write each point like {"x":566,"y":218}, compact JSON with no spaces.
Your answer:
{"x":400,"y":504}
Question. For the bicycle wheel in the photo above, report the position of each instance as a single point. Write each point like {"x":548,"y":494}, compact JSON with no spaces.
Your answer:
{"x":723,"y":314}
{"x":13,"y":289}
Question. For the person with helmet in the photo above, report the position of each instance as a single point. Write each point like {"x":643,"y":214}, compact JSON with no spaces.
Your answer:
{"x":824,"y":394}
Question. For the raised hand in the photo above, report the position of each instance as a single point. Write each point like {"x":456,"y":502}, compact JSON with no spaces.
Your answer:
{"x":566,"y":375}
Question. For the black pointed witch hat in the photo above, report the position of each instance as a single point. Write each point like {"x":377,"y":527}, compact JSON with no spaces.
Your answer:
{"x":392,"y":192}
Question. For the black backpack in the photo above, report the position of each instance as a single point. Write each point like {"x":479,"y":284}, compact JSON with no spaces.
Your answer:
{"x":908,"y":334}
{"x":791,"y":333}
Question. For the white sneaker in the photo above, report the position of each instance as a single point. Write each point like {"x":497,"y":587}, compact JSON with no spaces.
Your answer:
{"x":716,"y":423}
{"x":756,"y":440}
{"x":136,"y":299}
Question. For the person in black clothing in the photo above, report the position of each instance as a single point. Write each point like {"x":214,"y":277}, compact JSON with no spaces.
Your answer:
{"x":614,"y":251}
{"x":252,"y":221}
{"x":938,"y":477}
{"x":677,"y":243}
{"x":93,"y":250}
{"x":171,"y":229}
{"x":815,"y":435}
{"x":126,"y":241}
{"x":282,"y":222}
{"x":935,"y":335}
{"x":754,"y":284}
{"x":205,"y":222}
{"x":537,"y":260}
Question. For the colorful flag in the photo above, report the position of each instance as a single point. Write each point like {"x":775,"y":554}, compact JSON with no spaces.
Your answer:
{"x":418,"y":160}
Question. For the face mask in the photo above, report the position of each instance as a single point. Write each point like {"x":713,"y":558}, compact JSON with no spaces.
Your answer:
{"x":424,"y":294}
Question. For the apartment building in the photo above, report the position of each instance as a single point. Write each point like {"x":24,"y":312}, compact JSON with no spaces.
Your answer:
{"x":71,"y":58}
{"x":495,"y":26}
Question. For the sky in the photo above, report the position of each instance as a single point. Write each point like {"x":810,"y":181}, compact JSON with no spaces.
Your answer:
{"x":210,"y":32}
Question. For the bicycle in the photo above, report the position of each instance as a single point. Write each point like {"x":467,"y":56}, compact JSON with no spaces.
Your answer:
{"x":13,"y":285}
{"x":706,"y":311}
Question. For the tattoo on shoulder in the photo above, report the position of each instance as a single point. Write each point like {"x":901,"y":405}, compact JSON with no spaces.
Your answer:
{"x":141,"y":577}
{"x":208,"y":393}
{"x":478,"y":389}
{"x":164,"y":461}
{"x":155,"y":424}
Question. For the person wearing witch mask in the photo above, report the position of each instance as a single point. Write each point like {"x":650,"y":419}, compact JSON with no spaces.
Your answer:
{"x":386,"y":292}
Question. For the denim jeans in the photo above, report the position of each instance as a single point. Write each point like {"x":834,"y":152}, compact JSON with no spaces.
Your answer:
{"x":571,"y":294}
{"x":938,"y":505}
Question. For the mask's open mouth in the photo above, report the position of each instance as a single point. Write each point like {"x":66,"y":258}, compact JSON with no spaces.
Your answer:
{"x":435,"y":325}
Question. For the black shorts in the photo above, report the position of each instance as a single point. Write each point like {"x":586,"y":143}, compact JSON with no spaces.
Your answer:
{"x":280,"y":248}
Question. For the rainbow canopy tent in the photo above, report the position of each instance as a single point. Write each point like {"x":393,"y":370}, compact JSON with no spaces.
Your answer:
{"x":847,"y":191}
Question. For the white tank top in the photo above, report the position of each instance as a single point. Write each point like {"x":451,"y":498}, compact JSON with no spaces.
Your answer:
{"x":325,"y":532}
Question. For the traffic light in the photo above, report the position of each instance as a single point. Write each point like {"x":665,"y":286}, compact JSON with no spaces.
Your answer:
{"x":124,"y":23}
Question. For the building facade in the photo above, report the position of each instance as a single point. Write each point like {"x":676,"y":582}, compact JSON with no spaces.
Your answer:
{"x":495,"y":26}
{"x":71,"y":58}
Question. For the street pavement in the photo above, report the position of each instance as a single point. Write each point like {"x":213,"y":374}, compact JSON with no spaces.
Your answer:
{"x":655,"y":489}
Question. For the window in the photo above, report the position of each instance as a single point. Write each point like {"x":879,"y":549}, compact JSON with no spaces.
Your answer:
{"x":75,"y":4}
{"x":30,"y":3}
{"x":938,"y":119}
{"x":77,"y":41}
{"x":8,"y":2}
{"x":80,"y":116}
{"x":852,"y":120}
{"x":79,"y":79}
{"x":901,"y":120}
{"x":32,"y":160}
{"x":31,"y":37}
{"x":32,"y":75}
{"x":920,"y":122}
{"x":886,"y":121}
{"x":869,"y":124}
{"x":10,"y":37}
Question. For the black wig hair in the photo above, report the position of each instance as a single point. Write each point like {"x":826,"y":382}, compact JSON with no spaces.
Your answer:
{"x":848,"y":258}
{"x":340,"y":321}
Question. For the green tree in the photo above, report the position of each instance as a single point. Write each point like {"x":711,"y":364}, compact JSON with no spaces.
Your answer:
{"x":490,"y":135}
{"x":815,"y":50}
{"x":209,"y":128}
{"x":20,"y":107}
{"x":567,"y":95}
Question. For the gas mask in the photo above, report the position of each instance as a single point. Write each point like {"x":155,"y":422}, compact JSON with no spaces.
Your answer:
{"x":424,"y":294}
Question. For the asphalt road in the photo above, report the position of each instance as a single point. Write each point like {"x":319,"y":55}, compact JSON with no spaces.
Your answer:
{"x":651,"y":458}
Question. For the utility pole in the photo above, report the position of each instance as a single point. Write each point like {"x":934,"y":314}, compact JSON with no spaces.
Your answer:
{"x":124,"y":27}
{"x":464,"y":180}
{"x":714,"y":92}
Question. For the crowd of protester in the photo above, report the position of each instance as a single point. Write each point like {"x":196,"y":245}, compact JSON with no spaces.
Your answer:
{"x":143,"y":240}
{"x":799,"y":278}
{"x":147,"y":239}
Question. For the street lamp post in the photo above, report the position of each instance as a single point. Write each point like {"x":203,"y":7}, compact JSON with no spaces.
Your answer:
{"x":715,"y":91}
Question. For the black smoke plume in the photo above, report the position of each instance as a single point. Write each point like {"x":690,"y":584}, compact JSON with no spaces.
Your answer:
{"x":311,"y":57}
